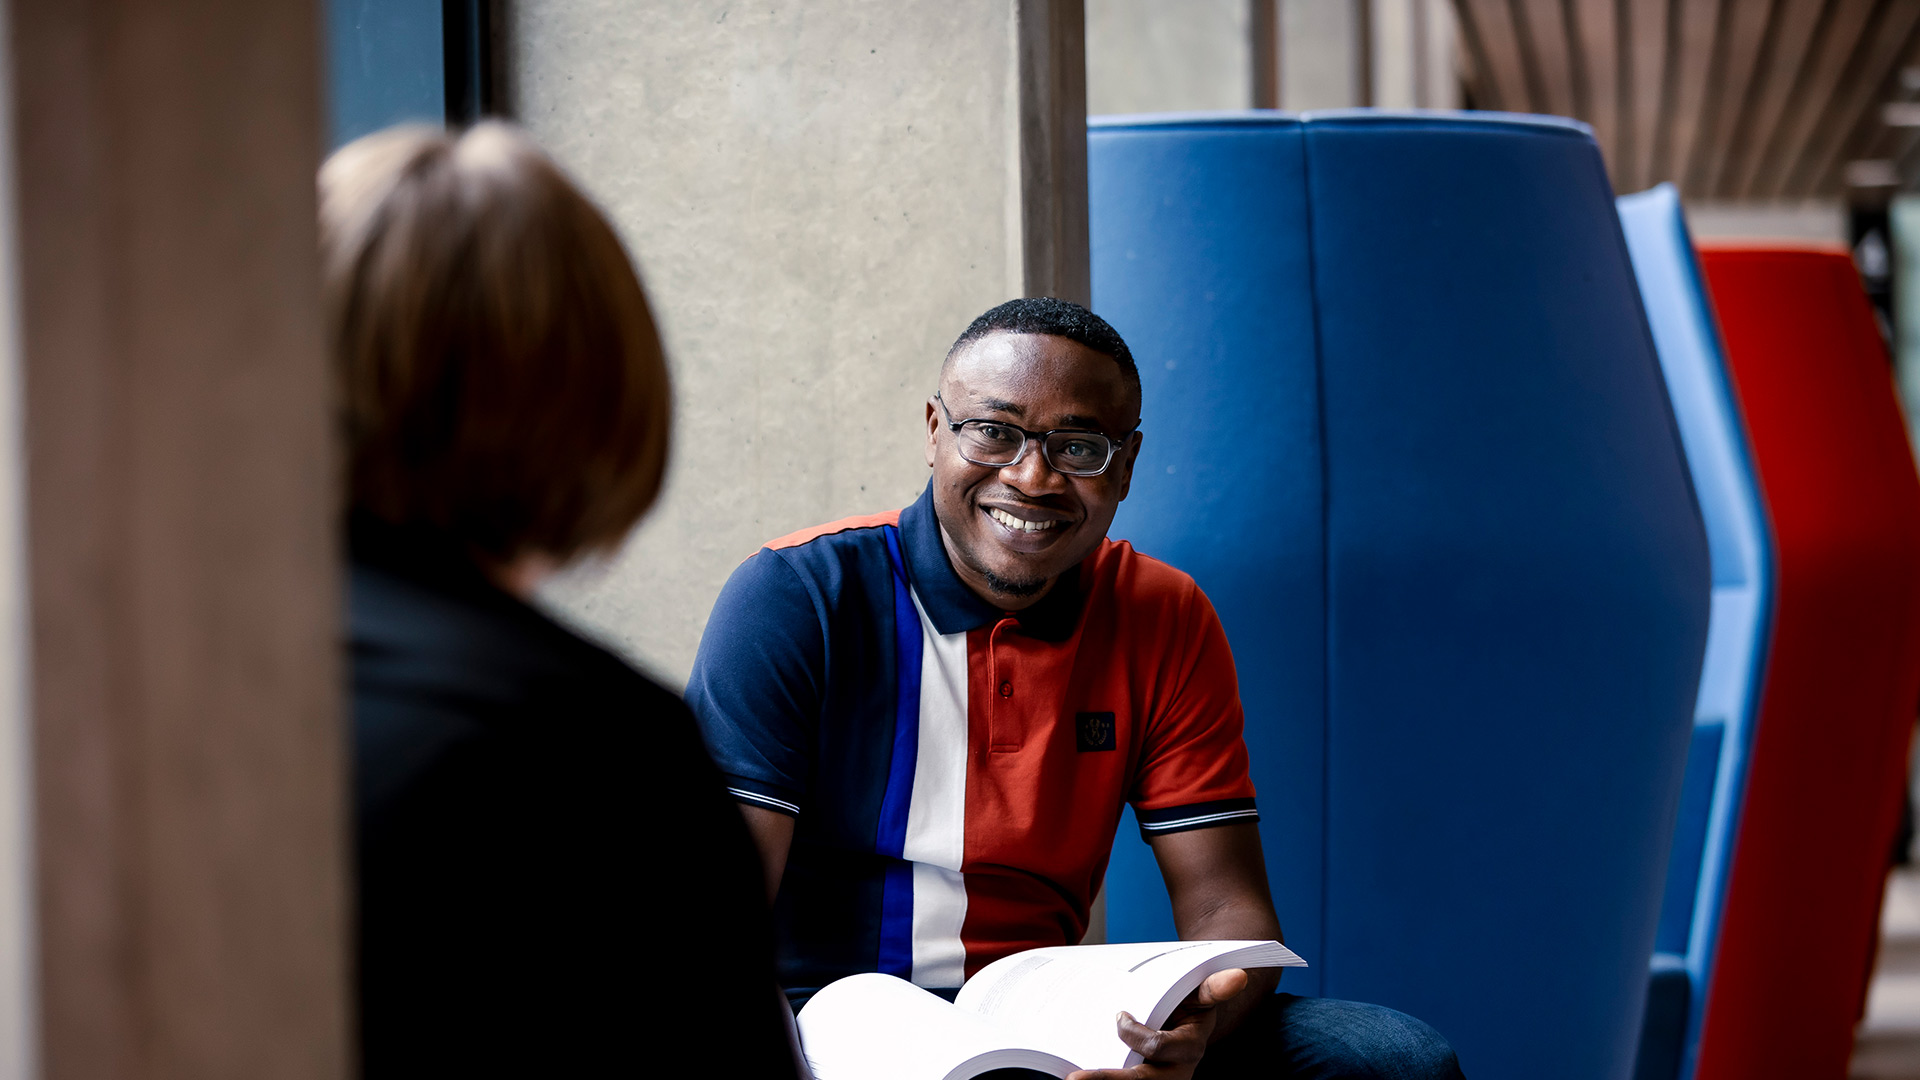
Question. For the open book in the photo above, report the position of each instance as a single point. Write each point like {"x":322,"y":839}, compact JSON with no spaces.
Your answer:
{"x":1049,"y":1010}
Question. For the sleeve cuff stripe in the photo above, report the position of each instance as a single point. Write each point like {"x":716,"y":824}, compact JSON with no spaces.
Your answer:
{"x":1201,"y":819}
{"x":1192,"y":810}
{"x":767,"y":801}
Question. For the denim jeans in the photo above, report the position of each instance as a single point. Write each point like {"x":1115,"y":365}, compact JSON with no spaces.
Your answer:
{"x":1309,"y":1038}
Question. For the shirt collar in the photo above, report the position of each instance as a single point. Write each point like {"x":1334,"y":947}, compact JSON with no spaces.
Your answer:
{"x":952,"y":606}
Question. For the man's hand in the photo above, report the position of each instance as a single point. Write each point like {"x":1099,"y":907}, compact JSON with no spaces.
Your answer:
{"x":1172,"y":1053}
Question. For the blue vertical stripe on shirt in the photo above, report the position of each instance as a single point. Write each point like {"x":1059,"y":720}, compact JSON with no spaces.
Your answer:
{"x":896,"y":915}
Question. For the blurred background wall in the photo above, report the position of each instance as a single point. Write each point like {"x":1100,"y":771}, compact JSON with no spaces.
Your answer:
{"x":821,"y":197}
{"x":1153,"y":56}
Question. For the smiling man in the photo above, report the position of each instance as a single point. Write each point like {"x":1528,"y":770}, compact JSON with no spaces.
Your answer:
{"x":933,"y":717}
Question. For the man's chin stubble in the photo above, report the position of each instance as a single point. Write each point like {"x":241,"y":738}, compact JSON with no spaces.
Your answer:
{"x":999,"y":586}
{"x":1017,"y":589}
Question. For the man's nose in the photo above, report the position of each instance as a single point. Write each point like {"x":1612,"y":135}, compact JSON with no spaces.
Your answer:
{"x":1032,"y":475}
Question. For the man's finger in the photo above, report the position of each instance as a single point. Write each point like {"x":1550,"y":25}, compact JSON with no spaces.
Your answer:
{"x":1173,"y":1046}
{"x":1220,"y":987}
{"x":1148,"y":1042}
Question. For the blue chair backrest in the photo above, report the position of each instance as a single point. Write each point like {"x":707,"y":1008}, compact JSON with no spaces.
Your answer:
{"x":1688,"y":341}
{"x":1405,"y":425}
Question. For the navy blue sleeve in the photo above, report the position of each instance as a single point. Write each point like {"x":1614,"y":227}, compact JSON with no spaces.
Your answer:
{"x":758,"y":680}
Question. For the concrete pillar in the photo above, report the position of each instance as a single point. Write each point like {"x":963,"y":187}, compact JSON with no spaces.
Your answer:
{"x":820,"y":197}
{"x":1413,"y":55}
{"x":1903,"y":216}
{"x":1153,"y":56}
{"x":187,"y":731}
{"x":1325,"y":60}
{"x":1815,"y":221}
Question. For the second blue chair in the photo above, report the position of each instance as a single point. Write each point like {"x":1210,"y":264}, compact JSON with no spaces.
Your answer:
{"x":1715,"y":438}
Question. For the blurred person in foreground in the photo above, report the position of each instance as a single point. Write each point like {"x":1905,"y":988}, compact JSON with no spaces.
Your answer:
{"x":525,"y":802}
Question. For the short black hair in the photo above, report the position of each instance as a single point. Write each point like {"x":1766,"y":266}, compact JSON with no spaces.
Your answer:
{"x":1057,"y":318}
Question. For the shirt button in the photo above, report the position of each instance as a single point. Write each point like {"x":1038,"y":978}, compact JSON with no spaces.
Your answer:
{"x":1006,"y":689}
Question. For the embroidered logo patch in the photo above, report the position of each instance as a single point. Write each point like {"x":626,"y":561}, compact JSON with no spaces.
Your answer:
{"x":1093,"y":730}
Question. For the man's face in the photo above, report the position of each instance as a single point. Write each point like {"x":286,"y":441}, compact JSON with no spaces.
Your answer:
{"x":1011,"y":531}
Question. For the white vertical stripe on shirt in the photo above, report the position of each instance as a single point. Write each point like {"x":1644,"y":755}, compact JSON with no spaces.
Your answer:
{"x":937,"y":812}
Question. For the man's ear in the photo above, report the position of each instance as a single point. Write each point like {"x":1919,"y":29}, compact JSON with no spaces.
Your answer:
{"x":1125,"y":461}
{"x":933,"y":433}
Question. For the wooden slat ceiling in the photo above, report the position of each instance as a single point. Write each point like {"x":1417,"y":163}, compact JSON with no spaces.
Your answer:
{"x":1729,"y":99}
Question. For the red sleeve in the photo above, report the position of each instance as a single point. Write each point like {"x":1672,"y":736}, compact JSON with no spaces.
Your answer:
{"x":1193,"y":768}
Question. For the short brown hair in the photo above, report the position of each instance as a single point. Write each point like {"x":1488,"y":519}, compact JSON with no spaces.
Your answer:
{"x":499,"y":374}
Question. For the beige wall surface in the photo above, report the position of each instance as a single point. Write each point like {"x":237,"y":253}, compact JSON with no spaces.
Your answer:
{"x":1158,"y":56}
{"x":1155,"y":56}
{"x":1813,"y":222}
{"x":820,"y":198}
{"x":187,"y":729}
{"x":1413,"y":55}
{"x":1322,"y":58}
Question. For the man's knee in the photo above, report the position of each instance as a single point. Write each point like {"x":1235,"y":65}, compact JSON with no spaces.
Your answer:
{"x":1327,"y":1037}
{"x":1417,"y":1051}
{"x":1391,"y":1045}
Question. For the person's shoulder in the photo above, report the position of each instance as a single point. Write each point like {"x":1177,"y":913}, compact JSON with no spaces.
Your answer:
{"x":1134,"y":578}
{"x":851,"y":530}
{"x":456,"y":691}
{"x":821,"y":560}
{"x":417,"y":637}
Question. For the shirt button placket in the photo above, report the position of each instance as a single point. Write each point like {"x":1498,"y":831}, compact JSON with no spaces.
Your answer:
{"x":1002,"y":726}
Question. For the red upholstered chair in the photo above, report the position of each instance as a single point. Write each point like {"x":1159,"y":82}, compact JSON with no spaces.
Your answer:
{"x":1843,"y":676}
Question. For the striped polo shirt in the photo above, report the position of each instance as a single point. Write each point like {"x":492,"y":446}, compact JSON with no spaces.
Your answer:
{"x":958,"y":772}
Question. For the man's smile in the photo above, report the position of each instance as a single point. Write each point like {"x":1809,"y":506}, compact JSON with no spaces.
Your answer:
{"x":1012,"y":522}
{"x":1025,"y":528}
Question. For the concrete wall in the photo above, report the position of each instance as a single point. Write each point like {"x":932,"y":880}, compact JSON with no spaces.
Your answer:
{"x":1414,"y":55}
{"x":820,"y":197}
{"x":187,"y":736}
{"x":1155,"y":56}
{"x":1323,"y":63}
{"x":1816,"y":222}
{"x":1903,"y":217}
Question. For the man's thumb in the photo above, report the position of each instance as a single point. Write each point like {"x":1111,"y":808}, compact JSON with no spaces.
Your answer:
{"x":1222,"y":986}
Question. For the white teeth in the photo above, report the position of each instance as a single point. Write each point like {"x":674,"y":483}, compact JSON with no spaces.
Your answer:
{"x":1012,"y":522}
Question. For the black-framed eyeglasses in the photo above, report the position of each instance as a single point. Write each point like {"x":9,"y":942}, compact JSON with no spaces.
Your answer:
{"x":997,"y":444}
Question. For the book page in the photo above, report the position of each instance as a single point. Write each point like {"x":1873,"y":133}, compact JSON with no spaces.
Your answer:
{"x":1065,"y":998}
{"x":877,"y":1027}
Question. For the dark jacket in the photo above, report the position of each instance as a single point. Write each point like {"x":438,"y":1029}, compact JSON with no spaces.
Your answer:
{"x":552,"y":880}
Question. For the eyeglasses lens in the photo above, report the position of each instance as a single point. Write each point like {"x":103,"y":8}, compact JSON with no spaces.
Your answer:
{"x":1078,"y":453}
{"x":990,"y":444}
